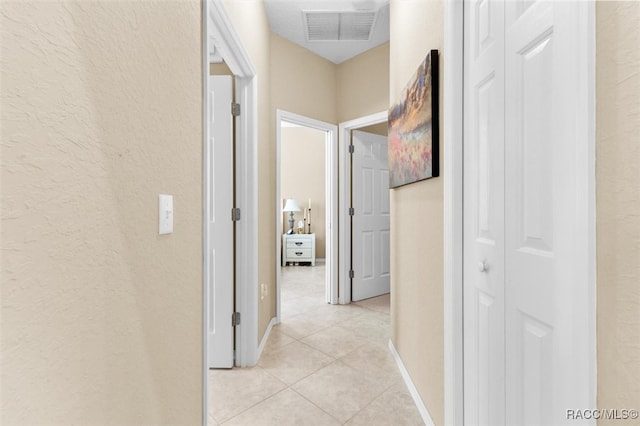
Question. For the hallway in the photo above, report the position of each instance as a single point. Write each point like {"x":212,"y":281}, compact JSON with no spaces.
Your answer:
{"x":323,"y":365}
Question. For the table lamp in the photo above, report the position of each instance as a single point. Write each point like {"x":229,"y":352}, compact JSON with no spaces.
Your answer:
{"x":291,"y":206}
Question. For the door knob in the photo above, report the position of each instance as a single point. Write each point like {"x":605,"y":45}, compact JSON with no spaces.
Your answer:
{"x":482,"y":266}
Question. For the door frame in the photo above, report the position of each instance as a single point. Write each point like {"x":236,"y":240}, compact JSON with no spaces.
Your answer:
{"x":331,"y":202}
{"x":453,"y":213}
{"x":453,"y":202}
{"x":344,"y":139}
{"x":218,"y":31}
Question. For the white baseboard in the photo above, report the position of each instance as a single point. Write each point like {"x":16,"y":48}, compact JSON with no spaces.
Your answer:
{"x":320,"y":260}
{"x":265,"y":338}
{"x":424,"y":413}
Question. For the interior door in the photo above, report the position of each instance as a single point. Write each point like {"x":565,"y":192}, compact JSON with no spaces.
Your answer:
{"x":547,"y":367}
{"x":370,"y":221}
{"x":526,"y":344}
{"x":220,"y":233}
{"x":484,"y":292}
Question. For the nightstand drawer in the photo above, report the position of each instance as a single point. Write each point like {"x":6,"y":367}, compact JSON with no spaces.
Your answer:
{"x":302,"y":243}
{"x":303,"y":254}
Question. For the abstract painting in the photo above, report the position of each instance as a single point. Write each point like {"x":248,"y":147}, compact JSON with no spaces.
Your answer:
{"x":413,"y":127}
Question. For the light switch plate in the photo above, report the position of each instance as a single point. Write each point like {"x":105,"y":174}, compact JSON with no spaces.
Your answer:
{"x":165,"y":214}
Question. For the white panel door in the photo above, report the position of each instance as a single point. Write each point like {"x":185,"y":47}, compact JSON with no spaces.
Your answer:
{"x":547,"y":372}
{"x":219,"y":204}
{"x":526,"y":345}
{"x":370,"y":224}
{"x":483,"y":294}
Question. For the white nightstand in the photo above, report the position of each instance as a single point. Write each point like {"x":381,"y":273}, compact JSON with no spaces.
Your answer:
{"x":299,"y":248}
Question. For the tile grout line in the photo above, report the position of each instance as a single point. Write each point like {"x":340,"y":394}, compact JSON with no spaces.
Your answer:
{"x":304,"y":377}
{"x":288,"y":387}
{"x":317,"y":406}
{"x":256,"y":404}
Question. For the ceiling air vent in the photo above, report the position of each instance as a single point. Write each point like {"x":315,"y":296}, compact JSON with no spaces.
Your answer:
{"x":339,"y":26}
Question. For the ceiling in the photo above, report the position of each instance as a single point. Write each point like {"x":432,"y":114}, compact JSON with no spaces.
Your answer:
{"x":337,"y":30}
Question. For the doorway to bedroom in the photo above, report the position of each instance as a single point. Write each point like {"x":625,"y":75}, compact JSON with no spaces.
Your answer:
{"x":304,"y":203}
{"x":303,"y":220}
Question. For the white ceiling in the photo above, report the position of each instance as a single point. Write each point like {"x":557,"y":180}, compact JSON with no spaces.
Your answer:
{"x":288,"y":19}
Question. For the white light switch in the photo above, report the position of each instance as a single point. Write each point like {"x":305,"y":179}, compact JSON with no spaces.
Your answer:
{"x":165,"y":214}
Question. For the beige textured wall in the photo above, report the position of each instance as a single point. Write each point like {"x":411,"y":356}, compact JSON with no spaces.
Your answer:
{"x":250,"y":21}
{"x":363,"y":84}
{"x":301,"y":82}
{"x":303,"y":177}
{"x":618,"y":204}
{"x":417,"y":264}
{"x":101,"y":111}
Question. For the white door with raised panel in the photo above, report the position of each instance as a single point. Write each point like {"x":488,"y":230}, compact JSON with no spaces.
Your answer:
{"x":546,"y":212}
{"x":370,"y":223}
{"x":526,"y":297}
{"x":219,"y":201}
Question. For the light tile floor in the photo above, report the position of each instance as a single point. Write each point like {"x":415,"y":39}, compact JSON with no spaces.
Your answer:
{"x":323,"y":365}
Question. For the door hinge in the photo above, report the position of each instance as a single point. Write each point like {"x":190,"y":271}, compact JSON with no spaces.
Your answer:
{"x":352,"y":211}
{"x":235,"y":319}
{"x":351,"y":274}
{"x":235,"y":214}
{"x":235,"y":109}
{"x":351,"y":149}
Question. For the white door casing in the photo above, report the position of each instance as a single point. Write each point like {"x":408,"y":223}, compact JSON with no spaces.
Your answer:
{"x":219,"y":204}
{"x":453,"y":213}
{"x":528,"y":329}
{"x":484,"y":389}
{"x":371,"y":225}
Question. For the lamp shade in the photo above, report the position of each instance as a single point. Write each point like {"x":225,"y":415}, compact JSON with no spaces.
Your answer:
{"x":291,"y":206}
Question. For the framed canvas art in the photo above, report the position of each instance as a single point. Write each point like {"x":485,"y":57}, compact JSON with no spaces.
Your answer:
{"x":413,"y":127}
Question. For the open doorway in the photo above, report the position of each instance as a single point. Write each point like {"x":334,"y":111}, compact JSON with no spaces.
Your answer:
{"x":305,"y":188}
